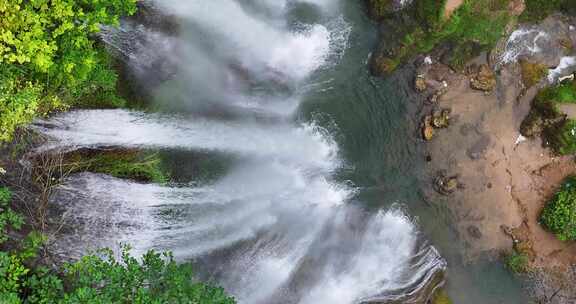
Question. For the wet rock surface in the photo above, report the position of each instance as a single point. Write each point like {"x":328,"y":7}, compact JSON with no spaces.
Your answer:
{"x":445,"y":184}
{"x":482,"y":78}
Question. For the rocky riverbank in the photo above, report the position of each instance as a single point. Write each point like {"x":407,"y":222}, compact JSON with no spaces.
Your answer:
{"x":494,"y":180}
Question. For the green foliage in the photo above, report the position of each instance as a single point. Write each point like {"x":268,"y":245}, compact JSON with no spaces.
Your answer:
{"x":559,"y":215}
{"x":100,"y":278}
{"x":562,"y":93}
{"x":8,"y":218}
{"x":558,"y":131}
{"x":13,"y":271}
{"x":474,"y":27}
{"x":430,"y":12}
{"x":48,"y":58}
{"x":562,"y":138}
{"x":517,"y":262}
{"x":129,"y":164}
{"x":157,"y":279}
{"x":379,"y":8}
{"x":537,"y":10}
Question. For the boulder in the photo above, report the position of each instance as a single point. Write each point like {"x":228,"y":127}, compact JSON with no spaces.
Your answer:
{"x":446,"y":184}
{"x":427,"y":128}
{"x":440,"y":118}
{"x":420,"y":84}
{"x":484,"y":79}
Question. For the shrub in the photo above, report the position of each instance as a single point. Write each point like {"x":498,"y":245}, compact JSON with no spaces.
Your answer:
{"x":562,"y":138}
{"x":8,"y":218}
{"x":100,"y":278}
{"x":559,"y":215}
{"x":517,"y":262}
{"x":379,"y":8}
{"x":537,"y":10}
{"x":48,"y":58}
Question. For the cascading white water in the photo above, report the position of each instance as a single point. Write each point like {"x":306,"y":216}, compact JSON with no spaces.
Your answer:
{"x":277,"y":227}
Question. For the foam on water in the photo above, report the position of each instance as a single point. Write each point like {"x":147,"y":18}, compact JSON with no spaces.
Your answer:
{"x":523,"y":42}
{"x":566,"y":63}
{"x":278,"y":224}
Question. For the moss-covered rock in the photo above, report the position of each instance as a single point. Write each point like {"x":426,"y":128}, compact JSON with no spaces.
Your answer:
{"x":474,"y":27}
{"x":118,"y":162}
{"x":379,"y":9}
{"x":532,"y":73}
{"x":483,"y":79}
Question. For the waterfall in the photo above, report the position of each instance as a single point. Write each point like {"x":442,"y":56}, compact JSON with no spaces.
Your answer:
{"x":278,"y":226}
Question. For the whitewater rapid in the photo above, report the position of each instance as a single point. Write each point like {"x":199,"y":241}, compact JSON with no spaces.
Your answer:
{"x":277,"y":227}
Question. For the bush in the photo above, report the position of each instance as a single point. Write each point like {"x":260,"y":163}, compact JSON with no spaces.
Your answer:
{"x":48,"y":58}
{"x":562,"y":138}
{"x":517,"y":262}
{"x":100,"y":278}
{"x":537,"y":10}
{"x":8,"y":218}
{"x":559,"y":215}
{"x":379,"y":8}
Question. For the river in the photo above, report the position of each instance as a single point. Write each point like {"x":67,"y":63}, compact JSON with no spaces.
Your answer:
{"x":306,"y":170}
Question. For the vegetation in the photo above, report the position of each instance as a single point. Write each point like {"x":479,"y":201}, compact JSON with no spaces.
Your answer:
{"x":517,"y":262}
{"x":379,"y":8}
{"x":474,"y":27}
{"x":537,"y":10}
{"x":558,"y":130}
{"x":441,"y":297}
{"x":559,"y":215}
{"x":96,"y":278}
{"x":121,"y":163}
{"x":532,"y":73}
{"x":49,"y":59}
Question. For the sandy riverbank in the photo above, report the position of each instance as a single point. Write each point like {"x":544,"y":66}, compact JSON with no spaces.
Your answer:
{"x":503,"y":180}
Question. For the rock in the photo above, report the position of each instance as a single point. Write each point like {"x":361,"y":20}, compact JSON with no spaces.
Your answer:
{"x":532,"y":125}
{"x":532,"y":72}
{"x":484,"y":79}
{"x":420,"y":84}
{"x":446,"y":185}
{"x":382,"y":64}
{"x":427,"y":128}
{"x":474,"y":232}
{"x":440,"y":118}
{"x":516,"y":7}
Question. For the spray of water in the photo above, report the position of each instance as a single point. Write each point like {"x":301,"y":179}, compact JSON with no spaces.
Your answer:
{"x":277,"y":228}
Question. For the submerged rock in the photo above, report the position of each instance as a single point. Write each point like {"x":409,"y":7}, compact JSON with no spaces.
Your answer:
{"x":440,"y":118}
{"x":446,"y":184}
{"x":420,"y":83}
{"x":474,"y":232}
{"x":427,"y":128}
{"x":483,"y":79}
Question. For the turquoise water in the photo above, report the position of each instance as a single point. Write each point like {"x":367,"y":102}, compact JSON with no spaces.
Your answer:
{"x":291,"y":161}
{"x":376,"y":125}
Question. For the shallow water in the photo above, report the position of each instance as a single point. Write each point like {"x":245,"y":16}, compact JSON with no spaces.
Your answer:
{"x":309,"y":187}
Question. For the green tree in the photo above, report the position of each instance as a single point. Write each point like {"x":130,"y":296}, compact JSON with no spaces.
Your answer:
{"x":49,"y":57}
{"x":559,"y":215}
